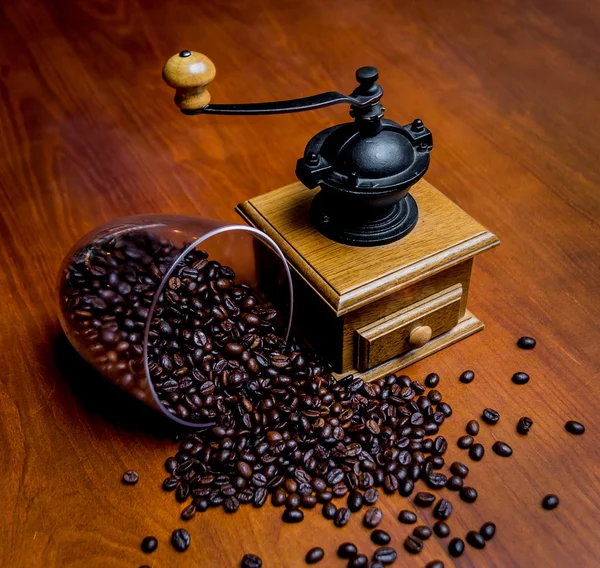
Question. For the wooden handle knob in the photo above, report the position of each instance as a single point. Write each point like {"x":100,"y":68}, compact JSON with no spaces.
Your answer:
{"x":188,"y":72}
{"x":420,"y":336}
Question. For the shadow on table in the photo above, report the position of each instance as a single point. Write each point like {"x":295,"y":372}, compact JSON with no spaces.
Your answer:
{"x":100,"y":398}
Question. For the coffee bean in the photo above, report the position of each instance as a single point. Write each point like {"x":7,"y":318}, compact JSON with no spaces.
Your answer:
{"x":467,"y":377}
{"x":460,"y":469}
{"x":231,"y":505}
{"x":380,"y":537}
{"x":574,"y":427}
{"x":413,"y":544}
{"x":314,"y":555}
{"x":329,"y":510}
{"x":488,"y":530}
{"x":130,"y":477}
{"x":407,"y":517}
{"x":278,"y":497}
{"x":524,"y":425}
{"x":490,"y":416}
{"x":441,"y":529}
{"x":347,"y":550}
{"x":472,"y":428}
{"x":435,"y":564}
{"x":424,"y":499}
{"x":502,"y":449}
{"x":465,"y":442}
{"x":355,"y":501}
{"x":437,"y":480}
{"x":370,"y":496}
{"x":456,"y":547}
{"x":445,"y":409}
{"x":372,"y":517}
{"x":385,"y":555}
{"x":251,"y":561}
{"x":475,"y":540}
{"x":293,"y":501}
{"x":422,"y":532}
{"x":442,"y":509}
{"x":526,"y":342}
{"x":454,"y":483}
{"x":432,"y":380}
{"x":358,"y":561}
{"x":188,"y":513}
{"x":149,"y":544}
{"x":520,"y":378}
{"x":468,"y":494}
{"x":550,"y":502}
{"x":342,"y":516}
{"x":180,"y":539}
{"x":406,"y":487}
{"x":476,"y":452}
{"x":292,"y":516}
{"x":375,"y":564}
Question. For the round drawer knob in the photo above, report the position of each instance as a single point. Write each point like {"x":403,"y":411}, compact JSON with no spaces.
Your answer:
{"x":420,"y":336}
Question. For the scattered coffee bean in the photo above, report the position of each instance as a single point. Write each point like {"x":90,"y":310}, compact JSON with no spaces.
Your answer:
{"x":476,"y":452}
{"x":423,"y":532}
{"x":424,"y":499}
{"x":550,"y":502}
{"x":526,"y":342}
{"x":475,"y":540}
{"x":488,"y":530}
{"x":149,"y":544}
{"x":347,"y":550}
{"x":520,"y":378}
{"x":467,"y":377}
{"x":314,"y":555}
{"x":358,"y":561}
{"x":465,"y":442}
{"x":380,"y":537}
{"x":342,"y":516}
{"x":524,"y":425}
{"x":432,"y":380}
{"x":468,"y":494}
{"x":472,"y":428}
{"x":490,"y":416}
{"x":460,"y":469}
{"x":329,"y":510}
{"x":407,"y":517}
{"x":385,"y":555}
{"x":251,"y":561}
{"x":502,"y":449}
{"x":370,"y":496}
{"x":442,"y":509}
{"x":406,"y":487}
{"x":292,"y":516}
{"x":355,"y":501}
{"x":413,"y":544}
{"x":130,"y":477}
{"x":372,"y":517}
{"x":441,"y":529}
{"x":574,"y":427}
{"x":180,"y":539}
{"x":435,"y":564}
{"x":436,"y":480}
{"x":456,"y":547}
{"x":455,"y":483}
{"x":188,"y":512}
{"x":375,"y":564}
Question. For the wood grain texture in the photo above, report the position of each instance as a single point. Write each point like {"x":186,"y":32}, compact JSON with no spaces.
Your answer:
{"x":348,"y":278}
{"x":89,"y":133}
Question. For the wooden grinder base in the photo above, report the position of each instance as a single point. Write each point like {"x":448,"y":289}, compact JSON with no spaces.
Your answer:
{"x":374,"y":310}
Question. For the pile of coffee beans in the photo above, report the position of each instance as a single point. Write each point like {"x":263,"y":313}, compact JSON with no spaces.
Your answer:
{"x":278,"y":427}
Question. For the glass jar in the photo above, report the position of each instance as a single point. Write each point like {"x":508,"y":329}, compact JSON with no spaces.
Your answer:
{"x":120,"y":280}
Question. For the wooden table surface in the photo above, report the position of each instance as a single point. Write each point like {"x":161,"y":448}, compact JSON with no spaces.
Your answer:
{"x":89,"y":133}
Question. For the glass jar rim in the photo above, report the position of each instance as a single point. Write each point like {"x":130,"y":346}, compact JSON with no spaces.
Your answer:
{"x":228,"y":227}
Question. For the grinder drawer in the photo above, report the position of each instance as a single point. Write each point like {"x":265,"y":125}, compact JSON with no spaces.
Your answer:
{"x":408,"y":328}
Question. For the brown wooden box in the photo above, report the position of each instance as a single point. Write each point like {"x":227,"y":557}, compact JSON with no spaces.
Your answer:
{"x":374,"y":310}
